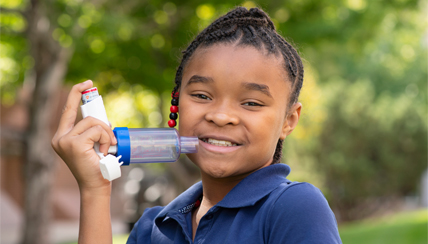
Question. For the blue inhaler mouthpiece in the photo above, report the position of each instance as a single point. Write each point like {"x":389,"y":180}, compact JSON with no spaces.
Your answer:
{"x":152,"y":145}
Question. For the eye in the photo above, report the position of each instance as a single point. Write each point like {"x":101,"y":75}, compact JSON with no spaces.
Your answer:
{"x":201,"y":96}
{"x":253,"y":104}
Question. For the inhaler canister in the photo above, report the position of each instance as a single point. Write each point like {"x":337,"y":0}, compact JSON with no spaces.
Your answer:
{"x":93,"y":106}
{"x":152,"y":145}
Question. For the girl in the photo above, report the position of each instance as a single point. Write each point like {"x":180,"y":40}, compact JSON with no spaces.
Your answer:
{"x":237,"y":86}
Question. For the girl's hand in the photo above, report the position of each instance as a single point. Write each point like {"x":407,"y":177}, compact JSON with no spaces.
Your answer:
{"x":74,"y":143}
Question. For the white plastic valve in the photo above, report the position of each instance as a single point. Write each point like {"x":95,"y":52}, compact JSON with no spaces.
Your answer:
{"x":110,"y":167}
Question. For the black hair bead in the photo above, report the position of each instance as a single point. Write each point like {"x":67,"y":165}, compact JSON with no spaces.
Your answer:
{"x":174,"y":101}
{"x":173,"y":116}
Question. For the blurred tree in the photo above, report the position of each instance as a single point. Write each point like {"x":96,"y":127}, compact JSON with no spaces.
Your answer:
{"x":371,"y":150}
{"x":49,"y":61}
{"x":365,"y":140}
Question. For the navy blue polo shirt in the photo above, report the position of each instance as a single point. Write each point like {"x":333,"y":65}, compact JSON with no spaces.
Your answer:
{"x":264,"y":207}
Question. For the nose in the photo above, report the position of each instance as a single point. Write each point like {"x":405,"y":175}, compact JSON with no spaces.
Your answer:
{"x":222,"y":116}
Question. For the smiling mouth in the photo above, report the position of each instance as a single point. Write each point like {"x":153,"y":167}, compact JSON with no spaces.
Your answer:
{"x":220,"y":143}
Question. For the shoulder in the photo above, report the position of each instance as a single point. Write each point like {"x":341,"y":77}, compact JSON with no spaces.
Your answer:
{"x":300,"y":211}
{"x":141,"y":233}
{"x":299,"y":200}
{"x":296,"y":195}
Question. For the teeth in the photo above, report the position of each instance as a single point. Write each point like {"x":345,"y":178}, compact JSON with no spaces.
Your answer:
{"x":219,"y":142}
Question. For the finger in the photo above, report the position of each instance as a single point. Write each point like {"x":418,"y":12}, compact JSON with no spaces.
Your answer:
{"x":89,"y":122}
{"x":100,"y":135}
{"x":69,"y":113}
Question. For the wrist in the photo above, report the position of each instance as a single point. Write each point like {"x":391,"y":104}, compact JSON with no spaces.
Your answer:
{"x":87,"y":191}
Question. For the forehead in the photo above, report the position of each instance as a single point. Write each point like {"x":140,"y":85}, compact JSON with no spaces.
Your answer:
{"x":241,"y":63}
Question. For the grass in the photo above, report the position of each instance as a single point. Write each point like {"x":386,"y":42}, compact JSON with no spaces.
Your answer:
{"x":401,"y":228}
{"x":120,"y":239}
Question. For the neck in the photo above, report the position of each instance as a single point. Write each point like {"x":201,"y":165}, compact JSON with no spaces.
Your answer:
{"x":214,"y":190}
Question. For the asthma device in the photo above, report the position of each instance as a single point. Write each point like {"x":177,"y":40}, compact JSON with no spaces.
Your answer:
{"x":135,"y":145}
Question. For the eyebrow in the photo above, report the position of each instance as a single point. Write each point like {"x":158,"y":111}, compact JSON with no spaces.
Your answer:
{"x":199,"y":79}
{"x":247,"y":85}
{"x":257,"y":87}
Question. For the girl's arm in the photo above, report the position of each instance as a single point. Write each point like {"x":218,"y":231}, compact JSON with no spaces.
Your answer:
{"x":74,"y":144}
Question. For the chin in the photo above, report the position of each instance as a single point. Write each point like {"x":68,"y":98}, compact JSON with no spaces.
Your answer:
{"x":217,"y":173}
{"x":215,"y":170}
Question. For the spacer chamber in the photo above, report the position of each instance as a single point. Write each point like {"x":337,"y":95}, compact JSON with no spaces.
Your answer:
{"x":151,"y":145}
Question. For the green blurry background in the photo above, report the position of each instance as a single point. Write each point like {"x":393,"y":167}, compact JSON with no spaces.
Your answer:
{"x":362,"y":137}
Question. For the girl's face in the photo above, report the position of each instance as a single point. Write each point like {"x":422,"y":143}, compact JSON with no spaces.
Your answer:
{"x":234,"y":100}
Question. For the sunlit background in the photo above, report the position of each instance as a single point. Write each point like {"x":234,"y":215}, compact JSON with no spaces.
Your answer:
{"x":362,"y":137}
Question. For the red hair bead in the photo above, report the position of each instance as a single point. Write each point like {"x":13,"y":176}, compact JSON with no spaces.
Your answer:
{"x":172,"y":123}
{"x":174,"y":109}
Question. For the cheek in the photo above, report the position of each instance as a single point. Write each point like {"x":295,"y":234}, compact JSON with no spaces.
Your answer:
{"x":183,"y":123}
{"x":182,"y":116}
{"x":268,"y":127}
{"x":187,"y":116}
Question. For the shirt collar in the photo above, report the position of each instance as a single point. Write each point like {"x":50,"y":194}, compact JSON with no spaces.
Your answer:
{"x":183,"y":203}
{"x":255,"y":186}
{"x":246,"y":193}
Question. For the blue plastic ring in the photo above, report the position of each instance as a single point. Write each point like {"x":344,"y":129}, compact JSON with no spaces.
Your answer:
{"x":123,"y":144}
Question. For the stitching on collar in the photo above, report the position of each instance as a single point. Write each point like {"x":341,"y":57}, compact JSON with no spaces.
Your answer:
{"x":187,"y":209}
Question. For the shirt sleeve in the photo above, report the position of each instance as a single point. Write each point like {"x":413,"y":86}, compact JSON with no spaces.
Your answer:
{"x":141,"y":233}
{"x":301,"y":215}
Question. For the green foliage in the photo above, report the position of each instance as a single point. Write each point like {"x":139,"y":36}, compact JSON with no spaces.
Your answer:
{"x":370,"y":66}
{"x":370,"y":147}
{"x":14,"y":58}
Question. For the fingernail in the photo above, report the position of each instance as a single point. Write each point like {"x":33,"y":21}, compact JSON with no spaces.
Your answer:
{"x":86,"y":81}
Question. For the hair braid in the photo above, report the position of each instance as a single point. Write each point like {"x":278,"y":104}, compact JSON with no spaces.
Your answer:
{"x":291,"y":64}
{"x":249,"y":28}
{"x":256,"y":12}
{"x":268,"y":39}
{"x":295,"y":66}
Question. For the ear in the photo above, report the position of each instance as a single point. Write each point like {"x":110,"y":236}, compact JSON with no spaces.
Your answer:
{"x":291,"y":120}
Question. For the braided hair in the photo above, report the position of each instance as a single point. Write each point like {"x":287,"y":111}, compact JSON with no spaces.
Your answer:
{"x":249,"y":28}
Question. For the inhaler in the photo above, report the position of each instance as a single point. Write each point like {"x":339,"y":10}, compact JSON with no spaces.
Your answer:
{"x":135,"y":145}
